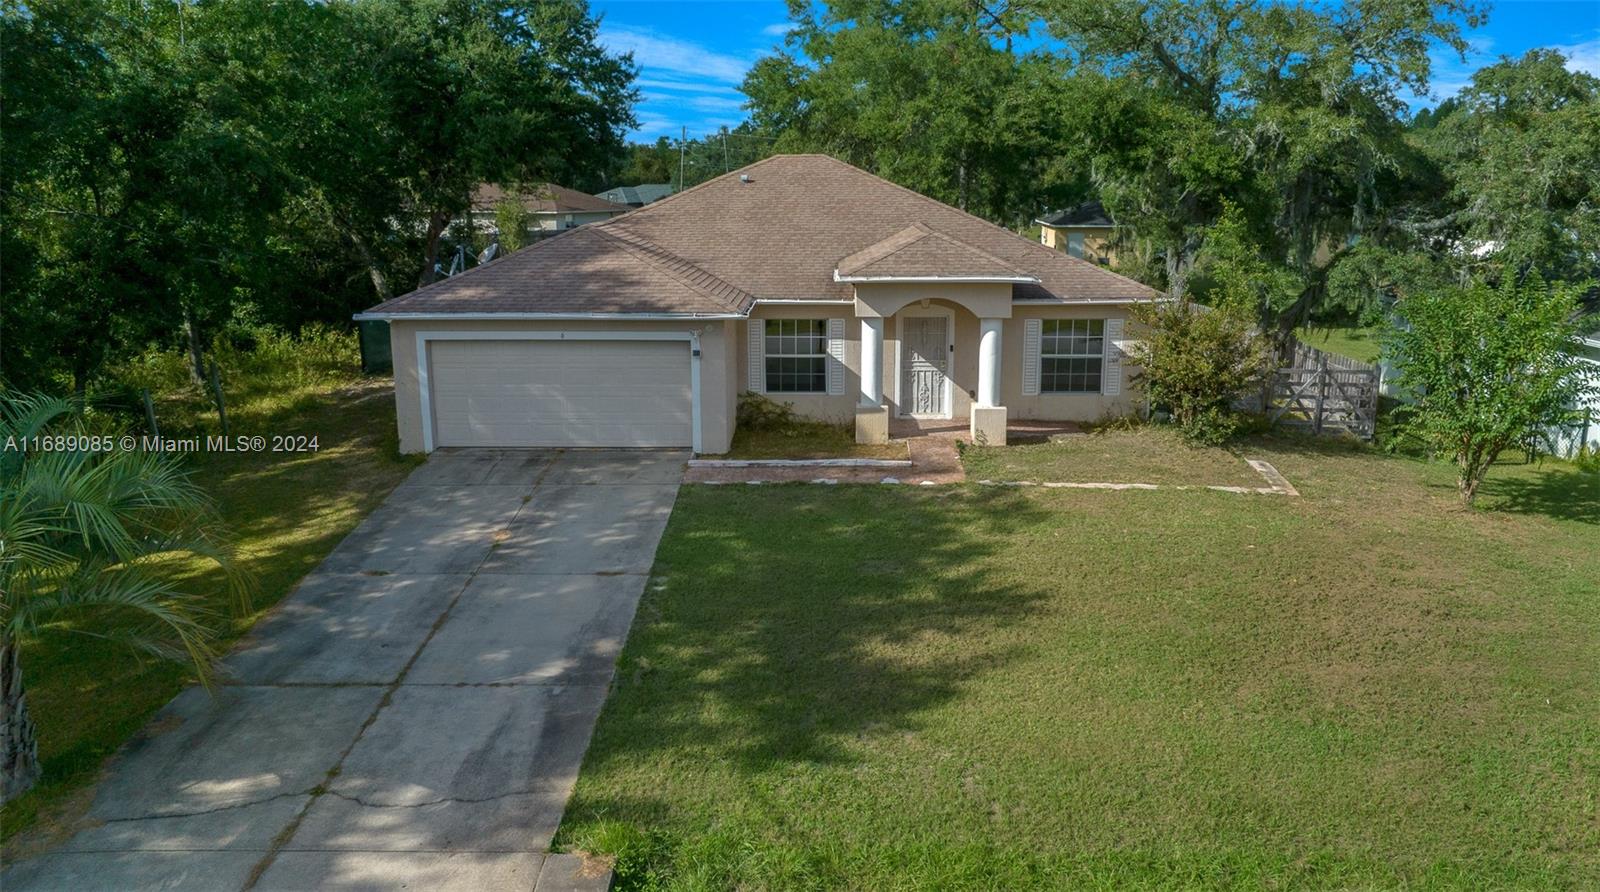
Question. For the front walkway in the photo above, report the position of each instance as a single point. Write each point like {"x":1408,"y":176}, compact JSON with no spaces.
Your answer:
{"x":415,"y":713}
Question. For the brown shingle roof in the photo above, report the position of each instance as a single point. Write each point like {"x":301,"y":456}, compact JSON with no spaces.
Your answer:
{"x":776,"y":229}
{"x":580,"y":271}
{"x":547,"y":198}
{"x":919,"y":252}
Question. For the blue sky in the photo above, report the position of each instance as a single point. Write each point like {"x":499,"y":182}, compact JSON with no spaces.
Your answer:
{"x":692,"y":55}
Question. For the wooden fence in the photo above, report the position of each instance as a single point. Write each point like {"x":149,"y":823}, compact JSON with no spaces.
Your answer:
{"x":1324,"y":393}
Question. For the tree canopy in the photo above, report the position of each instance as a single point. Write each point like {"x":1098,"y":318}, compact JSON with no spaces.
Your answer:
{"x":175,"y":168}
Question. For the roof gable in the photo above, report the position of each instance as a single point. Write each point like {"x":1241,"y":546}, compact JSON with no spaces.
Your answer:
{"x":918,"y":252}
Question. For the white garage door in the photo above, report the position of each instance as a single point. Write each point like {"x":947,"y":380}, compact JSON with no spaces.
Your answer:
{"x":561,"y":393}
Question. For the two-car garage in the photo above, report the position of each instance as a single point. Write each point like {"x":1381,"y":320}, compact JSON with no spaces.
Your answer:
{"x":558,"y":389}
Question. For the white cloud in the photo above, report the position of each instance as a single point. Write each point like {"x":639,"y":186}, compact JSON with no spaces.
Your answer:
{"x":778,"y":29}
{"x":1583,"y":56}
{"x":680,"y":86}
{"x":655,"y":53}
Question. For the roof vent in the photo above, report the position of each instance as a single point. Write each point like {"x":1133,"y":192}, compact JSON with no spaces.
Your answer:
{"x":744,"y":178}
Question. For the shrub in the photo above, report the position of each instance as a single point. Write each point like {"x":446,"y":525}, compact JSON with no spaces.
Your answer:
{"x":1196,"y":360}
{"x":758,"y":413}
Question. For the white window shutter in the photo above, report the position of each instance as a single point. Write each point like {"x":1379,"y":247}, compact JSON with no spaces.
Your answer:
{"x":1030,"y":356}
{"x":755,"y":356}
{"x":1111,"y":379}
{"x":835,"y":356}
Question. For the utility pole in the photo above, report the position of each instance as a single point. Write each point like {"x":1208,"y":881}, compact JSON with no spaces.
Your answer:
{"x":725,"y":167}
{"x":681,"y":141}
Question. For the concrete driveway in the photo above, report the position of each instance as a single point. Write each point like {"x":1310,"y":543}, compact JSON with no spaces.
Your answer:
{"x":415,"y":713}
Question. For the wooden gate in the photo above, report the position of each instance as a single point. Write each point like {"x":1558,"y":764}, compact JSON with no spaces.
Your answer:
{"x":1323,"y":392}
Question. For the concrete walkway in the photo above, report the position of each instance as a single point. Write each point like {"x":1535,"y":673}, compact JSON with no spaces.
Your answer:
{"x":415,"y":713}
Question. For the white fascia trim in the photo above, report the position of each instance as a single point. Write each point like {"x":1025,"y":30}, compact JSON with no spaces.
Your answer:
{"x":1115,"y":301}
{"x":424,"y":388}
{"x":933,"y":280}
{"x":535,"y":317}
{"x":805,"y":300}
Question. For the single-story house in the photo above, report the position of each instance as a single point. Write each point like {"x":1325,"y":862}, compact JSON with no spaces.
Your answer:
{"x":636,"y":196}
{"x":1084,"y":231}
{"x":868,"y":302}
{"x":550,"y":208}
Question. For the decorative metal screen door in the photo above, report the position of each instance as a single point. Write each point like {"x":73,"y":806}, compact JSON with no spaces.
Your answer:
{"x":923,"y":360}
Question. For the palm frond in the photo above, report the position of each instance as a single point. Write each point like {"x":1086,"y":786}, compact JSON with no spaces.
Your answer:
{"x":177,"y":617}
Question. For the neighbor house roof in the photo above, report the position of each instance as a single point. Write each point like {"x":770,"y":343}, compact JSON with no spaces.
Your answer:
{"x":541,"y":198}
{"x":1090,"y":214}
{"x":637,"y":196}
{"x":718,"y":245}
{"x":918,"y":252}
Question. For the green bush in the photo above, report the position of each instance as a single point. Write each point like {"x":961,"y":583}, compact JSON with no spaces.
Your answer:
{"x":757,"y":413}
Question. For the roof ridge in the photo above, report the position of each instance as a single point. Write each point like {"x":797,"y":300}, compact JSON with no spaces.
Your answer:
{"x":1031,"y":244}
{"x":683,"y":270}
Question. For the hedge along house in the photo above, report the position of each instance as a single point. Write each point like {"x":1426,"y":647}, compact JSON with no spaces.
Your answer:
{"x":799,"y":277}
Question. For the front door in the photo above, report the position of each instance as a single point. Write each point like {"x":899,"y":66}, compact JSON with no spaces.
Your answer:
{"x":924,"y":363}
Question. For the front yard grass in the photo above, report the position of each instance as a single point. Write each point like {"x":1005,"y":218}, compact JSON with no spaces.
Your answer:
{"x":980,"y":687}
{"x":807,"y":439}
{"x":286,"y":512}
{"x":1143,"y":454}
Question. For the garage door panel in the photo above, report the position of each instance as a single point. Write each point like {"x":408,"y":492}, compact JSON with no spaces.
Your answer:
{"x":561,"y":393}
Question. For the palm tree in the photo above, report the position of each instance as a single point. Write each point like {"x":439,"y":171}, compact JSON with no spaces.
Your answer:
{"x":92,"y":541}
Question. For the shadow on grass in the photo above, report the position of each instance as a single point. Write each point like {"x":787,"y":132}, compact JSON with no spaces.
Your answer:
{"x":776,"y":600}
{"x":1564,"y":493}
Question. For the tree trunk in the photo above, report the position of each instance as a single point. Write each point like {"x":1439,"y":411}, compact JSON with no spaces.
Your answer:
{"x":380,"y":282}
{"x":197,"y":353}
{"x":19,"y":750}
{"x":437,"y":222}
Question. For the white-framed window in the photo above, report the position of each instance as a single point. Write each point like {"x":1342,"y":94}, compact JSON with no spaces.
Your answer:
{"x":1071,"y":355}
{"x":796,"y":352}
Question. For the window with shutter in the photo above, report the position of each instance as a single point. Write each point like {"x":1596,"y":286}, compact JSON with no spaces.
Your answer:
{"x":796,"y":355}
{"x":1072,"y":355}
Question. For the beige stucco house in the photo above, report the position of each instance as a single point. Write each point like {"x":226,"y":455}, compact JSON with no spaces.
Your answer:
{"x":1084,"y":231}
{"x":869,"y":303}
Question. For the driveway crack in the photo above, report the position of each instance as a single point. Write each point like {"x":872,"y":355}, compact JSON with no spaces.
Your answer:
{"x":287,"y":833}
{"x":458,"y":800}
{"x":211,"y":811}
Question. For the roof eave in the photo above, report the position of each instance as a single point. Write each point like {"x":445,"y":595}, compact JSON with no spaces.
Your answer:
{"x":934,"y":280}
{"x":549,"y":317}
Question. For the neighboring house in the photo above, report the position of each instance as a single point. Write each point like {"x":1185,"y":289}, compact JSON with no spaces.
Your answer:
{"x":637,"y":196}
{"x":870,"y":301}
{"x":1084,"y":231}
{"x":550,"y":208}
{"x":1569,"y":442}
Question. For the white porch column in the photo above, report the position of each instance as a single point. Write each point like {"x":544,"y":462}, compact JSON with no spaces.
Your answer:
{"x":989,"y":361}
{"x":871,"y":360}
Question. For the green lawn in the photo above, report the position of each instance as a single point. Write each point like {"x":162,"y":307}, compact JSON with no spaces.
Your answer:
{"x":807,"y":439}
{"x":1356,"y":343}
{"x":1139,"y":455}
{"x":285,"y":511}
{"x":869,"y":687}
